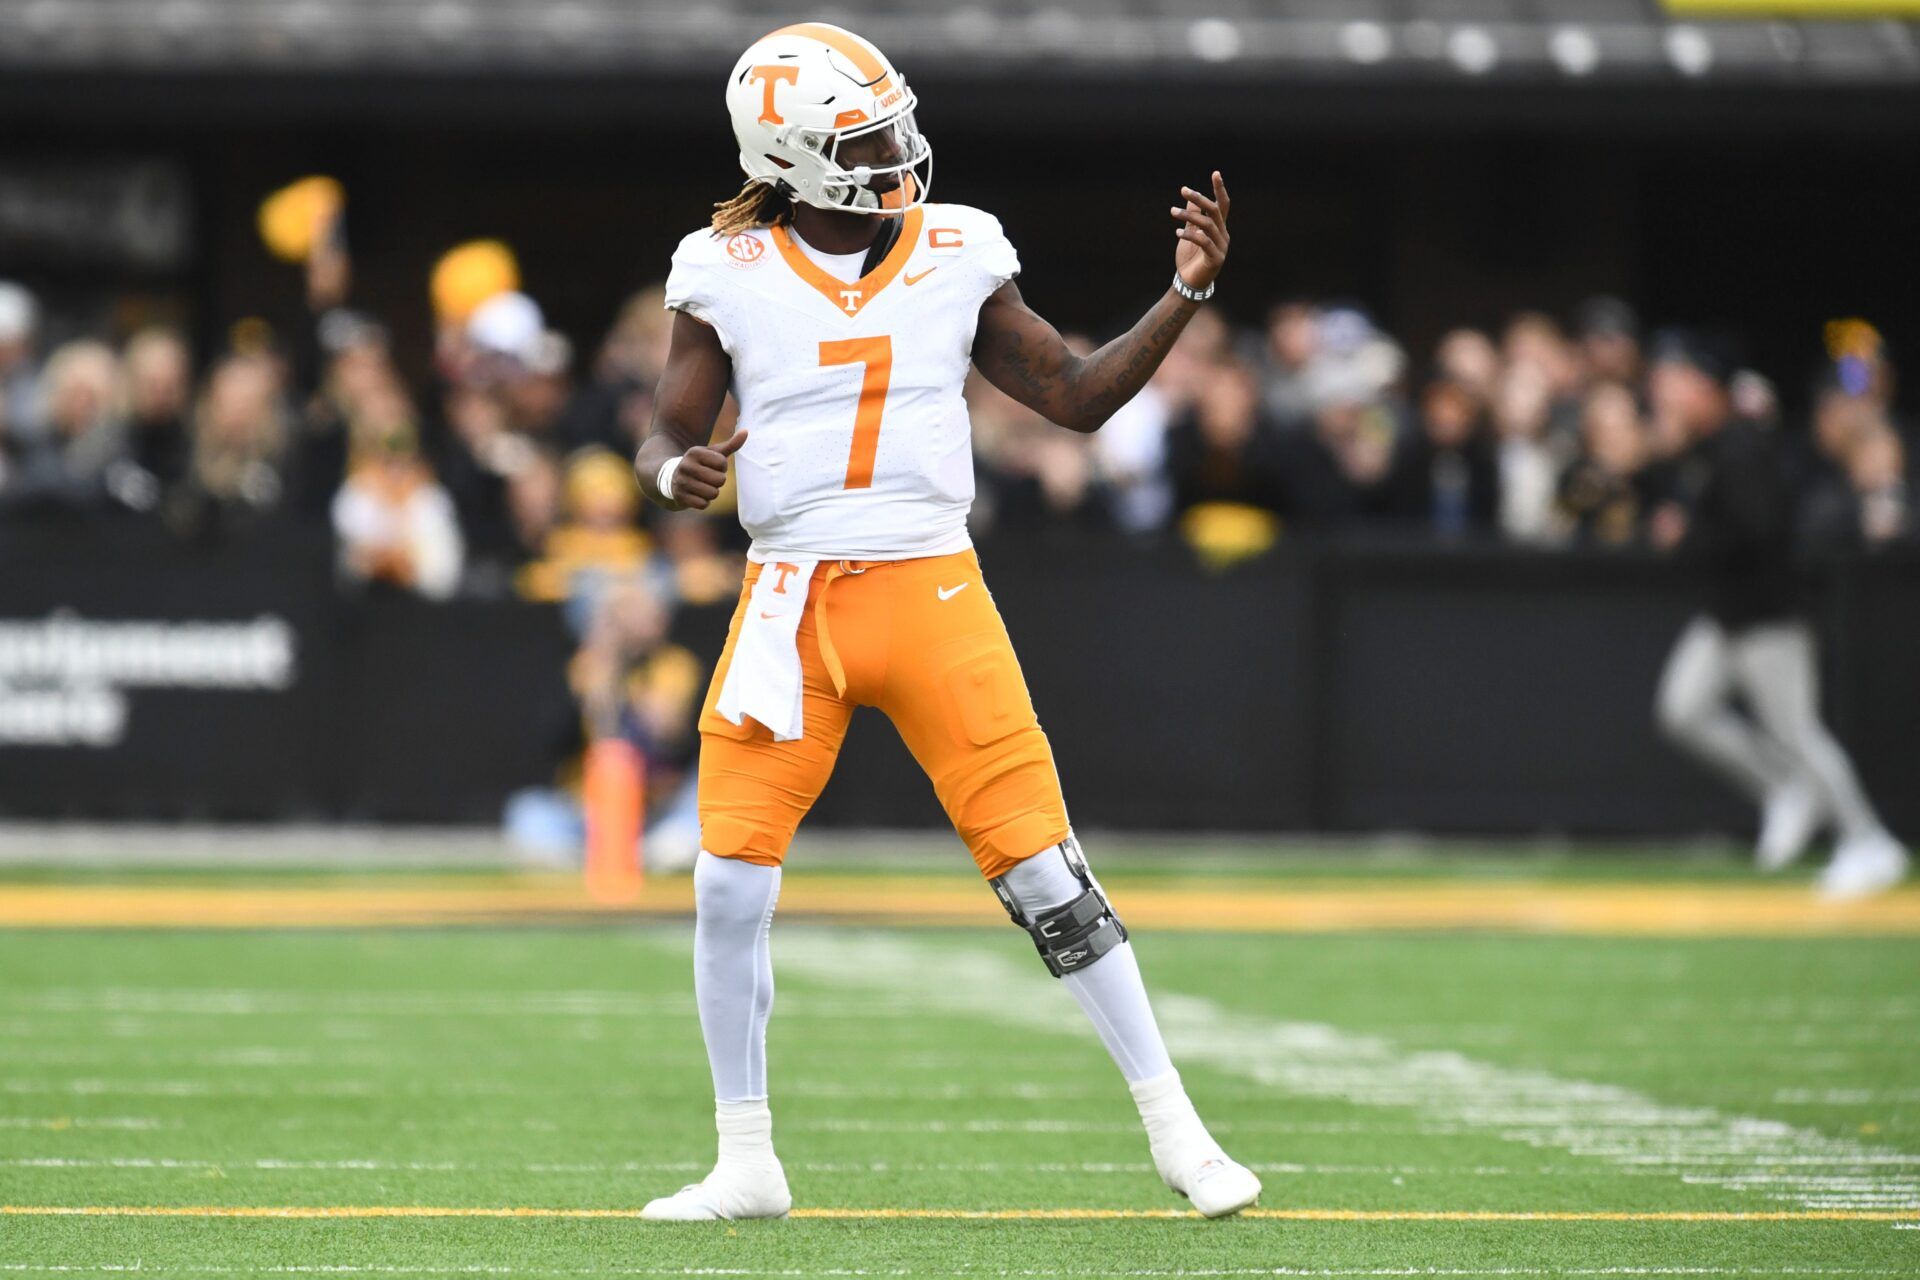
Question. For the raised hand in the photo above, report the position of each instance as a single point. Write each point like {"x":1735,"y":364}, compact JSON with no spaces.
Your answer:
{"x":1202,"y":250}
{"x":702,"y":470}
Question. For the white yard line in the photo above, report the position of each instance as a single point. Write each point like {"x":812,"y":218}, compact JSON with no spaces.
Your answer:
{"x":1448,"y":1092}
{"x":324,"y":1269}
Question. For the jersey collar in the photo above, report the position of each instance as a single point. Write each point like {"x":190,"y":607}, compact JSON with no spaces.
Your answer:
{"x":846,"y":298}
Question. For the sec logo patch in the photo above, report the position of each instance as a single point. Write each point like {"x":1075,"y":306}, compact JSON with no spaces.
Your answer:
{"x":745,"y":250}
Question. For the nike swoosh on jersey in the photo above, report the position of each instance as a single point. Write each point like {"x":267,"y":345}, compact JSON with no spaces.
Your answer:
{"x":913,"y":279}
{"x":948,"y":593}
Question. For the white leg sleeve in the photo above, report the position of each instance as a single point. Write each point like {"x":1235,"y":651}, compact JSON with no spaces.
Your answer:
{"x":733,"y":971}
{"x":1778,"y":668}
{"x":1693,"y":712}
{"x":1110,"y":989}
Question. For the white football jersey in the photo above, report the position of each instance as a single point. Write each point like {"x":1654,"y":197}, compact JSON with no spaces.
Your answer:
{"x":861,"y":447}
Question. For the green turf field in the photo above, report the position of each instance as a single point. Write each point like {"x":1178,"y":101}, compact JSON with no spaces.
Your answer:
{"x":1745,"y":1105}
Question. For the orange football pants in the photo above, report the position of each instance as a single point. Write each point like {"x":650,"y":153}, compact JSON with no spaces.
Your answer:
{"x":922,"y":641}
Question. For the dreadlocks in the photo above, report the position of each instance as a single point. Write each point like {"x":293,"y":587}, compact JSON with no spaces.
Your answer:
{"x":758,"y":204}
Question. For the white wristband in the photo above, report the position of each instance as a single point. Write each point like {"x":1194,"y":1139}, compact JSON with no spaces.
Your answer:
{"x":664,"y":480}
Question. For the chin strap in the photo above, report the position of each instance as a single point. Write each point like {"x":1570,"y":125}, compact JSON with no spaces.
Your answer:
{"x":882,"y":244}
{"x":1074,"y":934}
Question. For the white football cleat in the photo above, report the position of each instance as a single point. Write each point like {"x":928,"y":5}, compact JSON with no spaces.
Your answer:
{"x":1864,"y":866}
{"x":1194,"y":1166}
{"x":1217,"y":1186}
{"x":730,"y":1192}
{"x":1791,"y":816}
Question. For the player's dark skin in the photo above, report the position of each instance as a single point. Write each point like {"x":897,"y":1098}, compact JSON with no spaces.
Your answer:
{"x":1013,"y":347}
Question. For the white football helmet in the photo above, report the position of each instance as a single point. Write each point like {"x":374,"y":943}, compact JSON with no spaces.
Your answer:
{"x":800,"y":94}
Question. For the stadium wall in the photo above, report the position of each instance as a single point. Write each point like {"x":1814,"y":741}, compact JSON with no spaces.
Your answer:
{"x":1351,"y":688}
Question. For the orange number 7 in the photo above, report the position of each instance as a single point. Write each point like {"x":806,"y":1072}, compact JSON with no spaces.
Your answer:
{"x":877,"y":355}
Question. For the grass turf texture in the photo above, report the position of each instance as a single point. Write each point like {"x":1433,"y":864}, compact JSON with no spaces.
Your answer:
{"x":562,"y":1068}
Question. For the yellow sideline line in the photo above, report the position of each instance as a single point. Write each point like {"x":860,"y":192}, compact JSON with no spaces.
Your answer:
{"x":990,"y":1215}
{"x":1338,"y":905}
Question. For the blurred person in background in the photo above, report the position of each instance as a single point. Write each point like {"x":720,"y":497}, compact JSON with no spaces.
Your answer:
{"x":1468,"y":357}
{"x":1445,"y":475}
{"x":1605,"y":492}
{"x":241,"y":430}
{"x":395,"y":525}
{"x":477,"y":461}
{"x":1529,"y":462}
{"x":1038,"y":477}
{"x":159,"y":381}
{"x":530,"y":367}
{"x":1867,"y":506}
{"x":1533,"y":339}
{"x":619,"y":399}
{"x":631,"y":765}
{"x":1609,"y":338}
{"x":19,"y":338}
{"x":1334,"y":476}
{"x":77,"y":459}
{"x":598,"y":540}
{"x":1222,"y":450}
{"x":1292,"y":344}
{"x":695,"y":565}
{"x":351,"y":366}
{"x":1730,"y":516}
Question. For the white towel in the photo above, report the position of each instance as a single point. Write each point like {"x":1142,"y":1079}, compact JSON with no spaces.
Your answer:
{"x":763,"y":680}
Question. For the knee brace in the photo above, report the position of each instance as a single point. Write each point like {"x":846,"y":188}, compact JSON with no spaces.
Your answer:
{"x":1076,"y":933}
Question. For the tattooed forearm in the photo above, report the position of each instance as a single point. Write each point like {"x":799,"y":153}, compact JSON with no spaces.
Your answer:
{"x":1024,"y":356}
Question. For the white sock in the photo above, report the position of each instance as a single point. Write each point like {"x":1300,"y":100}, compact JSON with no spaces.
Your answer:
{"x":1109,"y":989}
{"x":1165,"y":1109}
{"x":733,"y":975}
{"x":746,"y":1132}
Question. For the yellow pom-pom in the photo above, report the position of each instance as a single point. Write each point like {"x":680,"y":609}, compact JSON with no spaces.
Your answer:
{"x":469,"y":274}
{"x":294,"y":218}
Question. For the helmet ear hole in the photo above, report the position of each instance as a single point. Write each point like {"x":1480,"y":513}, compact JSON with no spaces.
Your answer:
{"x":784,"y":164}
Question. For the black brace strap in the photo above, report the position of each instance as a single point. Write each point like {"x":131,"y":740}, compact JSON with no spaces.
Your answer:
{"x":1075,"y":934}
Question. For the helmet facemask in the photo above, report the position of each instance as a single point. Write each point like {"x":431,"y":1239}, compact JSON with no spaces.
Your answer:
{"x":881,"y":166}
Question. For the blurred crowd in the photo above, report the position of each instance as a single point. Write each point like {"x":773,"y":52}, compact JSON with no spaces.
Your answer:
{"x":502,"y":468}
{"x":1544,"y":433}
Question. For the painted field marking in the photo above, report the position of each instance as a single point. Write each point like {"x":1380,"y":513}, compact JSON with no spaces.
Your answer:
{"x":1448,"y":1092}
{"x":1333,"y":905}
{"x":969,"y":1215}
{"x":388,"y":1269}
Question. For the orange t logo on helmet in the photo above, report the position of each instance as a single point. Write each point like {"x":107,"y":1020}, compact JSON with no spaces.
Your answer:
{"x":769,"y":76}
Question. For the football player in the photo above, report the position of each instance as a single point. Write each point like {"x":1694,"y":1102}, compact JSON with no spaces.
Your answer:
{"x":843,"y":310}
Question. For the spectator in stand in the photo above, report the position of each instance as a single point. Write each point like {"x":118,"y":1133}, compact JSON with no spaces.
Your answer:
{"x":159,"y":379}
{"x":1867,"y":505}
{"x":1609,"y":336}
{"x":1530,"y":463}
{"x":479,"y":457}
{"x":19,"y":391}
{"x":1292,"y":345}
{"x":78,"y":461}
{"x":1445,"y":477}
{"x":618,"y":403}
{"x":241,"y":429}
{"x":394,"y":524}
{"x":355,"y":367}
{"x":1468,"y":357}
{"x":1222,"y":450}
{"x":597,"y":544}
{"x":1535,"y":339}
{"x":529,"y":366}
{"x":536,"y":498}
{"x":632,"y":759}
{"x":1332,"y":477}
{"x":1604,"y":494}
{"x":1037,"y":476}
